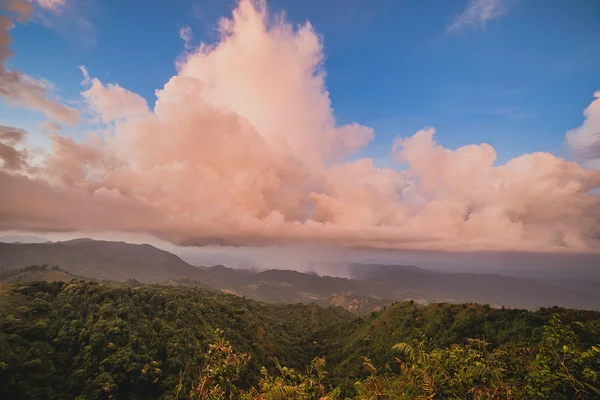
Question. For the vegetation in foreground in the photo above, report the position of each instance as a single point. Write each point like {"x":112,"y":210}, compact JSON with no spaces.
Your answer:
{"x":91,"y":341}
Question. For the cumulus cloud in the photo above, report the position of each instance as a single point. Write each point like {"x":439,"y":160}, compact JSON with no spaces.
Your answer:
{"x":20,"y":89}
{"x":112,"y":102}
{"x":242,"y":148}
{"x":585,"y":140}
{"x":478,"y":13}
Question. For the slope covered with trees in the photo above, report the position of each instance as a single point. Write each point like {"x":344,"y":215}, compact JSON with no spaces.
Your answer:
{"x":87,"y":340}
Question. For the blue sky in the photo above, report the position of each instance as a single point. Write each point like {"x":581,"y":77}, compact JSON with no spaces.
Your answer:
{"x":517,"y":82}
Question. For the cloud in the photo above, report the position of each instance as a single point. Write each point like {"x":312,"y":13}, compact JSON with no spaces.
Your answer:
{"x":20,"y":9}
{"x":112,"y":102}
{"x":20,"y":89}
{"x":242,"y":148}
{"x":11,"y":134}
{"x":86,"y":75}
{"x":13,"y":158}
{"x":35,"y":204}
{"x":53,"y":5}
{"x":478,"y":13}
{"x":585,"y":140}
{"x":69,"y":18}
{"x":185,"y":33}
{"x":50,"y":127}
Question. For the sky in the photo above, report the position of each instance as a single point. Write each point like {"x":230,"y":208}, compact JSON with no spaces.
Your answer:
{"x":518,"y":81}
{"x":456,"y":125}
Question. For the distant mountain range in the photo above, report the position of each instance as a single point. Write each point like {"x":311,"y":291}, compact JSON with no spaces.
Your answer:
{"x":22,"y":239}
{"x":105,"y":260}
{"x":371,"y":285}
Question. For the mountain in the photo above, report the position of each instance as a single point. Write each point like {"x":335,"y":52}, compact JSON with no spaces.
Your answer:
{"x":103,"y":260}
{"x":575,"y":270}
{"x":194,"y":257}
{"x":119,"y":261}
{"x":402,"y":282}
{"x":409,"y":282}
{"x":23,"y":239}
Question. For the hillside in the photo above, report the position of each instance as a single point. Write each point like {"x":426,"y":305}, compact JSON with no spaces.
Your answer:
{"x":441,"y":325}
{"x":36,"y":273}
{"x":102,"y":260}
{"x":119,"y":261}
{"x":94,"y":341}
{"x":93,"y":328}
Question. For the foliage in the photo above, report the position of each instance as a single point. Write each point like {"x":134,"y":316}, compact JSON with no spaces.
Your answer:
{"x":63,"y":340}
{"x":87,"y":340}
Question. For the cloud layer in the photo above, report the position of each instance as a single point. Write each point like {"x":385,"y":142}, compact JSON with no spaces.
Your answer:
{"x":242,"y":148}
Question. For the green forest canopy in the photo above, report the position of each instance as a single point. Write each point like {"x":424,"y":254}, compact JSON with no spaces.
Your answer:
{"x":87,"y":340}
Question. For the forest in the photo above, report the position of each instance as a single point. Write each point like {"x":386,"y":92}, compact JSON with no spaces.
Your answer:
{"x":89,"y":340}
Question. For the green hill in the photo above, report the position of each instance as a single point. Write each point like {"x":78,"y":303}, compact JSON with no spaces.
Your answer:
{"x":34,"y":273}
{"x":84,"y":329}
{"x":85,"y":340}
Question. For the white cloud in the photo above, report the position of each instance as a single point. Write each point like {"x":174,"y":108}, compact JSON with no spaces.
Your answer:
{"x":53,"y":5}
{"x":585,"y":140}
{"x":86,"y":75}
{"x":478,"y":13}
{"x":185,"y":33}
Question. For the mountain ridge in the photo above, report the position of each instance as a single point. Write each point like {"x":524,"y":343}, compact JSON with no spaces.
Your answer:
{"x":121,"y":261}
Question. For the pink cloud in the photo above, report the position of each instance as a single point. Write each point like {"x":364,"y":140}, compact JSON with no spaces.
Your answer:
{"x":13,"y":158}
{"x":242,"y":148}
{"x":112,"y":102}
{"x":17,"y":88}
